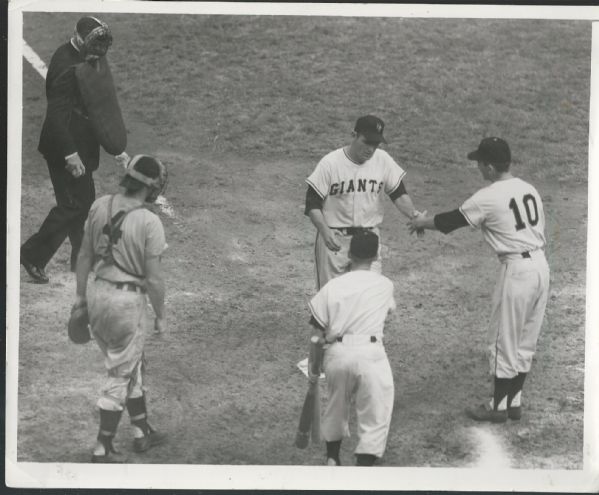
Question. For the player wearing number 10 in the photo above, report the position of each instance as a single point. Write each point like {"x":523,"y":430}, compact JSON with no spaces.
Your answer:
{"x":509,"y":212}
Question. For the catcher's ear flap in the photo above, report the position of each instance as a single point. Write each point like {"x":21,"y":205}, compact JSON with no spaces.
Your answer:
{"x":78,"y":325}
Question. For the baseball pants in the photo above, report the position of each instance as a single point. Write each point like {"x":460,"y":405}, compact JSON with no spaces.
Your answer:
{"x":118,"y":320}
{"x":330,"y":264}
{"x":518,"y":308}
{"x":74,"y":197}
{"x":360,"y":373}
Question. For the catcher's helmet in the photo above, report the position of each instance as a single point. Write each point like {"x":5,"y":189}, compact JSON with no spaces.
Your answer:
{"x":150,"y":172}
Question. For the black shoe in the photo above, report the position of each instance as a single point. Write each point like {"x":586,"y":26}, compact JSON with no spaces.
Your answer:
{"x":152,"y":439}
{"x":35,"y":272}
{"x":485,"y":413}
{"x":514,"y":413}
{"x":110,"y":457}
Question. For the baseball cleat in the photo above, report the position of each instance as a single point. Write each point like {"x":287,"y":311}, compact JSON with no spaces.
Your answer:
{"x":484,"y":412}
{"x":112,"y":457}
{"x":35,"y":272}
{"x":514,"y":413}
{"x":332,"y":462}
{"x":152,"y":439}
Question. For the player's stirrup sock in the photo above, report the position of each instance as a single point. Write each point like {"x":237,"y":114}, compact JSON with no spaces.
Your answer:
{"x":365,"y":459}
{"x":514,"y":396}
{"x":333,"y":451}
{"x":109,"y":421}
{"x":139,"y":416}
{"x":502,"y":388}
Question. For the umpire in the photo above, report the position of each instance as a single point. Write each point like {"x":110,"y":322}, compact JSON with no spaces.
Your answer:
{"x":70,"y":148}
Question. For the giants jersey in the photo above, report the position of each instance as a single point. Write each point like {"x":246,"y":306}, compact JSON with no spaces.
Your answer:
{"x":141,"y":236}
{"x":353,"y":194}
{"x":354,"y":303}
{"x":510,"y":215}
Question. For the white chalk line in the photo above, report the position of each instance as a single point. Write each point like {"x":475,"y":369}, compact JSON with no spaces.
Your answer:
{"x":490,"y":449}
{"x":38,"y":64}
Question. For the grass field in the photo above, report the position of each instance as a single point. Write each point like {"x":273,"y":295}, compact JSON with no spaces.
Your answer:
{"x":241,"y":109}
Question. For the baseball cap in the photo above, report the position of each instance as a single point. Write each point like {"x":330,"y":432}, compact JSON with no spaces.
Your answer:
{"x":141,"y":170}
{"x":371,"y":128}
{"x":87,"y":24}
{"x":491,"y":150}
{"x":364,"y":245}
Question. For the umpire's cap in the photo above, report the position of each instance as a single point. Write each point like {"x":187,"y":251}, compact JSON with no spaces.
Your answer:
{"x":491,"y":150}
{"x":364,"y":245}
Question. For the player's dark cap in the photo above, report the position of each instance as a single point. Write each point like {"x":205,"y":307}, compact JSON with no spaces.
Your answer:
{"x":364,"y":245}
{"x":371,"y":128}
{"x":491,"y":150}
{"x":141,"y":170}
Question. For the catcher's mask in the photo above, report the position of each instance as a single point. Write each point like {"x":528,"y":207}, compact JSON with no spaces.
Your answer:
{"x":93,"y":38}
{"x":150,"y":172}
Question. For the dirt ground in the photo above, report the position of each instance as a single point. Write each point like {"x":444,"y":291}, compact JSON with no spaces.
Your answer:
{"x":223,"y":380}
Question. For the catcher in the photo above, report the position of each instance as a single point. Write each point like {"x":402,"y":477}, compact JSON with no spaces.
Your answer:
{"x":122,"y":244}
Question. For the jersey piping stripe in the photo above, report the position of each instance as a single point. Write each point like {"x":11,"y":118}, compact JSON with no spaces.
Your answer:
{"x":313,"y":311}
{"x":398,"y":182}
{"x":466,"y":217}
{"x":311,"y":184}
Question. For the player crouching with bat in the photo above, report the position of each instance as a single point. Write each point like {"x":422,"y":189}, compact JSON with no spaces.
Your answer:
{"x":351,"y":311}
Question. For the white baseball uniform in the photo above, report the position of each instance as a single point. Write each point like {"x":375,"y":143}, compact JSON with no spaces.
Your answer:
{"x":352,"y":308}
{"x":353,"y":196}
{"x":117,"y":305}
{"x":511,"y":217}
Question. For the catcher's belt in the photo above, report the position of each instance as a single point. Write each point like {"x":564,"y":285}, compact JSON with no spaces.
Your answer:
{"x":99,"y":96}
{"x":352,"y":230}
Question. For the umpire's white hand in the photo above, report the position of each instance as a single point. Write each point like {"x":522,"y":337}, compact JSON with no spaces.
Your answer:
{"x":74,"y":165}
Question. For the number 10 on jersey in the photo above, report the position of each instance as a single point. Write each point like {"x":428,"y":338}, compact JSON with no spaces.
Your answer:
{"x":530,"y":206}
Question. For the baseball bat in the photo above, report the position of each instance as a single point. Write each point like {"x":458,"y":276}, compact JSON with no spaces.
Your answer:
{"x":311,"y":408}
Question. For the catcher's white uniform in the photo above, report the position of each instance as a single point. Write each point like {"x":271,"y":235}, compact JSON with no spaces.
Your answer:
{"x":352,"y":308}
{"x":353,"y":196}
{"x":510,"y":215}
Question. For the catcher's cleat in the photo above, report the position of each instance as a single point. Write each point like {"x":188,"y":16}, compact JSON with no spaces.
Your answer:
{"x":111,"y":457}
{"x":484,"y":412}
{"x":332,"y":462}
{"x":152,"y":439}
{"x":514,"y":413}
{"x":35,"y":272}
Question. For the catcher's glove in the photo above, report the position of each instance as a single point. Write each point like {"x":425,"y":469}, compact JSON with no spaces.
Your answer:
{"x":78,"y":324}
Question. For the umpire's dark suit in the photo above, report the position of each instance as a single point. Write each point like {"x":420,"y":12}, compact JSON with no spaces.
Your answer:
{"x":66,"y":130}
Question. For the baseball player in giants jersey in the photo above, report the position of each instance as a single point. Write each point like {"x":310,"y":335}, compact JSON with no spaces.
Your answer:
{"x":123,"y":243}
{"x":510,"y":215}
{"x":345,"y":195}
{"x":350,"y":310}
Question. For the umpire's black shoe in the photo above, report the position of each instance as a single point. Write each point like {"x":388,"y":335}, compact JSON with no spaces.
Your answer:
{"x":485,"y":412}
{"x":35,"y":272}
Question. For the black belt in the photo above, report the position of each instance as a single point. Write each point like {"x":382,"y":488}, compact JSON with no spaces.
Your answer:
{"x":372,"y":339}
{"x":128,"y":286}
{"x":353,"y":230}
{"x":525,"y":254}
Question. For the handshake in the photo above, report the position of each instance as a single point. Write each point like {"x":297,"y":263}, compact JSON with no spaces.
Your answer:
{"x":418,"y":222}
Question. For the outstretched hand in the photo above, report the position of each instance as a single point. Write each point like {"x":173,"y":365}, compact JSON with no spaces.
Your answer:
{"x":417,"y":223}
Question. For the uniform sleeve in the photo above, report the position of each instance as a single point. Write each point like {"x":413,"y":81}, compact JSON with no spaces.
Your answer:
{"x":320,"y":179}
{"x":393,"y":174}
{"x":472,"y":211}
{"x":60,"y":90}
{"x":319,"y":308}
{"x":155,"y":238}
